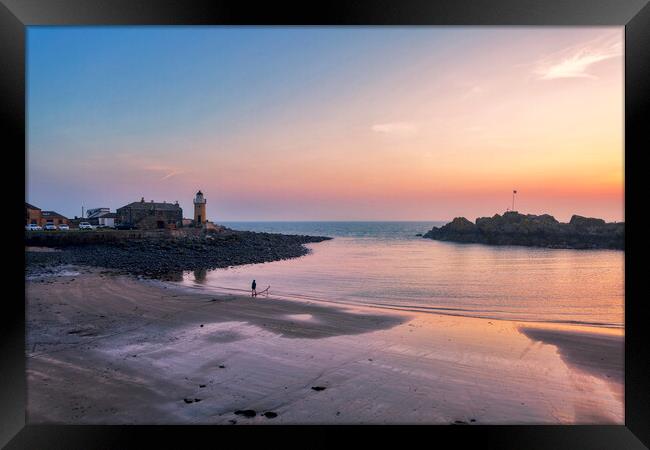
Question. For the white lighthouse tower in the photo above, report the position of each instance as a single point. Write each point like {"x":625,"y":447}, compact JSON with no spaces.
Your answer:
{"x":199,"y":210}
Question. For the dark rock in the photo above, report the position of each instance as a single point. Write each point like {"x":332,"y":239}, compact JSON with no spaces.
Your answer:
{"x":270,"y":415}
{"x":201,"y":385}
{"x":318,"y":388}
{"x":188,"y":400}
{"x":246,"y":413}
{"x":531,"y":230}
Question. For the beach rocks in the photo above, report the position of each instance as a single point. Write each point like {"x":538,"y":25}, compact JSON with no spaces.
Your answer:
{"x":318,"y":388}
{"x":270,"y":415}
{"x":246,"y":413}
{"x":167,"y":258}
{"x":544,"y":230}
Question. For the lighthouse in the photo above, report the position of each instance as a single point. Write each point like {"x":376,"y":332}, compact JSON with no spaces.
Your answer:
{"x":199,"y":210}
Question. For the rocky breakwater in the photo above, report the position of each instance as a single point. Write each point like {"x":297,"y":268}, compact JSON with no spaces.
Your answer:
{"x":167,"y":256}
{"x":544,"y":230}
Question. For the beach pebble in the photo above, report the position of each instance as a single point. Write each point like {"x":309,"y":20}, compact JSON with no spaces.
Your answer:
{"x":246,"y":413}
{"x":318,"y":388}
{"x":270,"y":415}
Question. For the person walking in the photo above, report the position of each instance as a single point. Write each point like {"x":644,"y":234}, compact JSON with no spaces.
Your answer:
{"x":254,"y":289}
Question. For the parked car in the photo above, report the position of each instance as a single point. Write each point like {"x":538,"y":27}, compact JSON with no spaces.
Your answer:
{"x":64,"y":227}
{"x":125,"y":226}
{"x":86,"y":226}
{"x":32,"y":227}
{"x":49,"y":227}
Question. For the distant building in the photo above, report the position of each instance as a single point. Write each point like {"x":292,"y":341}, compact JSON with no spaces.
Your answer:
{"x":187,"y":222}
{"x":107,"y":219}
{"x":32,"y":214}
{"x":199,"y":210}
{"x":93,"y":213}
{"x":101,"y":217}
{"x":54,"y":218}
{"x":151,"y":215}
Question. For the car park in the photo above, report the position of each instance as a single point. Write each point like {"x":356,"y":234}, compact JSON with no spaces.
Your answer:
{"x":32,"y":227}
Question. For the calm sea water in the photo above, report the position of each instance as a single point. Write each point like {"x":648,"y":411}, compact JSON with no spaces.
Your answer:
{"x":384,"y":264}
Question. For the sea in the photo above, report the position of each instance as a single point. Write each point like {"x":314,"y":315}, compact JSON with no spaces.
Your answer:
{"x":386,"y":265}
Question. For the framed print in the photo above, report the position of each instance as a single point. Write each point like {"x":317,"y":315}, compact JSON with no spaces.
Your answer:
{"x":414,"y":219}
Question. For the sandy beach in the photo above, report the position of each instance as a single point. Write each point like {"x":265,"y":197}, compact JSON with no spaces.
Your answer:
{"x":107,"y":349}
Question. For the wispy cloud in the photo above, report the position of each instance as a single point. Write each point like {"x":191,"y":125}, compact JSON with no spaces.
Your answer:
{"x":167,"y":171}
{"x":576,"y":61}
{"x":401,"y":129}
{"x":170,"y":174}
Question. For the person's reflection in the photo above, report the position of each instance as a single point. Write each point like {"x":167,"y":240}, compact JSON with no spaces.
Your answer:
{"x":199,"y":275}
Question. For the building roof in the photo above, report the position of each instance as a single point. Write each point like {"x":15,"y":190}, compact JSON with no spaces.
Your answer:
{"x":108,"y":215}
{"x":150,"y":205}
{"x":96,"y":212}
{"x":53,"y":214}
{"x":28,"y":206}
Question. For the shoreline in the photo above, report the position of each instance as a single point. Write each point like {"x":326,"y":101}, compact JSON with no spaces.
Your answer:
{"x":595,"y":326}
{"x":112,"y":349}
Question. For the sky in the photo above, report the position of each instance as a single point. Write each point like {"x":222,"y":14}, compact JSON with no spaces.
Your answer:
{"x":328,"y":123}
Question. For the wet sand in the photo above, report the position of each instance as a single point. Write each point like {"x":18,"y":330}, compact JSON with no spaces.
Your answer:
{"x":105,"y":349}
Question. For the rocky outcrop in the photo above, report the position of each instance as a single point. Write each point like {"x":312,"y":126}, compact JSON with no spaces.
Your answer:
{"x":544,"y":230}
{"x":165,"y":255}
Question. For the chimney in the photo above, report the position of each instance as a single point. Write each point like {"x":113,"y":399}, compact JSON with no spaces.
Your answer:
{"x":142,"y":200}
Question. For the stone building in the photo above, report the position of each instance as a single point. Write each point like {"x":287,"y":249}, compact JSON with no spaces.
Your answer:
{"x":151,"y":215}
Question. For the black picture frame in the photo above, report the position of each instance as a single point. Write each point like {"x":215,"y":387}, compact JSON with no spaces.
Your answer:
{"x":16,"y":15}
